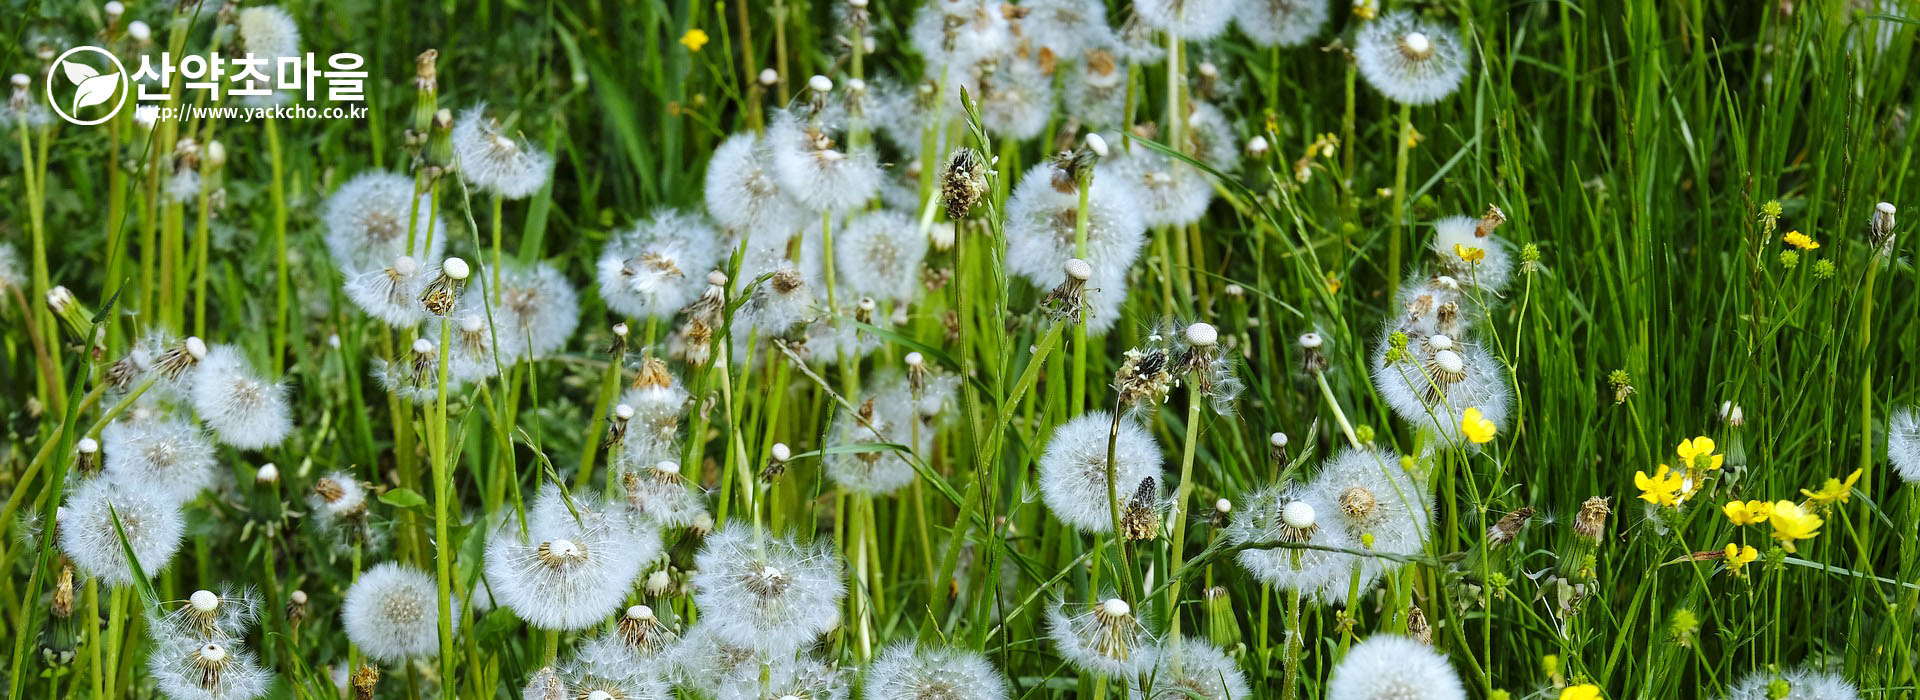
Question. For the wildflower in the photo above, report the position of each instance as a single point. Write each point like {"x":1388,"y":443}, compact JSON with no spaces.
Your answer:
{"x":1660,"y":489}
{"x":935,"y":673}
{"x":1903,"y":444}
{"x":1410,"y":60}
{"x":1290,"y":513}
{"x":1441,"y":380}
{"x":1387,"y":666}
{"x":1146,"y":374}
{"x":1738,"y":556}
{"x":655,"y":268}
{"x":1468,"y":251}
{"x":1192,"y":670}
{"x":185,"y":668}
{"x":1190,"y":20}
{"x":1104,"y":637}
{"x":878,"y":254}
{"x":392,"y":613}
{"x":1800,"y":240}
{"x":1834,"y":491}
{"x":244,"y":409}
{"x":472,"y":355}
{"x":1094,"y":89}
{"x":1748,"y":512}
{"x":1040,"y":233}
{"x":821,"y":177}
{"x":495,"y":162}
{"x":764,"y":592}
{"x":742,"y":193}
{"x":1792,"y":523}
{"x":694,"y":39}
{"x":368,"y":223}
{"x":568,"y":572}
{"x":151,"y":521}
{"x":167,"y":457}
{"x":1140,"y":518}
{"x":1469,"y":255}
{"x":591,"y":678}
{"x":962,"y":182}
{"x":1281,"y":23}
{"x":1583,"y":691}
{"x":1065,"y":27}
{"x":1073,"y":469}
{"x":1477,"y":429}
{"x":1697,"y":454}
{"x":1796,"y":684}
{"x":1068,"y":301}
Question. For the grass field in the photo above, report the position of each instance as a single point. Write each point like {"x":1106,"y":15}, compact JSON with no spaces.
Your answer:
{"x":815,"y":349}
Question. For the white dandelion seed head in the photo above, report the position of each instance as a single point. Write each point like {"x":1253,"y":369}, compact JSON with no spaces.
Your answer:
{"x":568,"y":572}
{"x":1491,"y":273}
{"x":1191,"y":20}
{"x":1094,"y":89}
{"x":1040,"y":233}
{"x":495,"y":161}
{"x":189,"y":668}
{"x":937,"y":673}
{"x":600,"y":677}
{"x":1073,"y":470}
{"x":12,"y":274}
{"x":1410,"y":60}
{"x":658,"y":493}
{"x":1802,"y":684}
{"x":816,"y":170}
{"x":1417,"y":393}
{"x":1262,"y":517}
{"x":150,"y":518}
{"x":337,"y":496}
{"x":367,"y":223}
{"x":390,"y":294}
{"x":218,"y":617}
{"x":1170,"y":192}
{"x":165,"y":456}
{"x":1194,"y":669}
{"x":537,"y":312}
{"x":878,"y":471}
{"x":1388,"y":666}
{"x":776,"y":305}
{"x":1283,"y":23}
{"x":879,"y":254}
{"x":1211,"y":138}
{"x":1100,"y":638}
{"x":955,"y":34}
{"x":1374,"y":495}
{"x":244,"y":409}
{"x":1065,"y":28}
{"x":764,"y":592}
{"x":393,"y":613}
{"x":787,"y":678}
{"x":742,"y":193}
{"x":653,"y":431}
{"x":268,"y":31}
{"x":653,"y":269}
{"x":1016,"y":97}
{"x":1903,"y":444}
{"x":703,"y":661}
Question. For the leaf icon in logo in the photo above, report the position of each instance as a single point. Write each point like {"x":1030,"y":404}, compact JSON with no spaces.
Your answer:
{"x":93,"y":88}
{"x":78,"y":72}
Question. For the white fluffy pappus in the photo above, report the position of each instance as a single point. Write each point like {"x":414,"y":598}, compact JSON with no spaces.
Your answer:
{"x":1210,"y":137}
{"x":742,"y":194}
{"x":1040,"y":237}
{"x":1073,"y":470}
{"x":186,"y":668}
{"x":1015,"y":96}
{"x":393,"y":613}
{"x":704,"y":662}
{"x":1373,"y":494}
{"x":878,"y":254}
{"x":764,"y":592}
{"x":1410,"y":60}
{"x":495,"y":161}
{"x":659,"y":266}
{"x":337,"y":496}
{"x":1170,"y":192}
{"x":1065,"y":27}
{"x":1388,"y":666}
{"x":878,"y":471}
{"x":653,"y":433}
{"x":658,"y":492}
{"x":538,"y":308}
{"x":367,"y":223}
{"x":266,"y":31}
{"x":12,"y":274}
{"x":597,"y":681}
{"x":1192,"y":670}
{"x":935,"y":673}
{"x":1297,"y":513}
{"x":1282,"y":23}
{"x":958,"y":33}
{"x":470,"y":355}
{"x":1903,"y":444}
{"x":1094,"y":89}
{"x":775,"y":306}
{"x":1491,"y":273}
{"x":1106,"y":637}
{"x":222,"y":617}
{"x":787,"y":678}
{"x":568,"y":572}
{"x":1191,"y":20}
{"x":151,"y":520}
{"x":1802,"y":684}
{"x":818,"y":174}
{"x":390,"y":294}
{"x":244,"y":409}
{"x":1433,"y":387}
{"x":169,"y":457}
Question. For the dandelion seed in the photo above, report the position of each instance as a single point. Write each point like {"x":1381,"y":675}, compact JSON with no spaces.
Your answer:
{"x":1073,"y":470}
{"x":657,"y":267}
{"x":1386,"y":666}
{"x":1439,"y":382}
{"x":568,"y":573}
{"x":776,"y":305}
{"x":1210,"y":137}
{"x":1094,"y":89}
{"x":821,"y":177}
{"x":936,"y":673}
{"x":1190,"y":20}
{"x":222,"y":617}
{"x":1104,"y":637}
{"x":392,"y":613}
{"x":367,"y":223}
{"x":194,"y":669}
{"x":166,"y":457}
{"x":391,"y":294}
{"x":496,"y":162}
{"x":545,"y":684}
{"x":244,"y":409}
{"x":1410,"y":60}
{"x":879,"y":253}
{"x":1192,"y":670}
{"x":1282,"y":23}
{"x":766,"y":593}
{"x":151,"y":521}
{"x":705,"y":662}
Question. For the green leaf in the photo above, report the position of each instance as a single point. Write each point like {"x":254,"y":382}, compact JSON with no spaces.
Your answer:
{"x":148,"y":599}
{"x":403,"y":498}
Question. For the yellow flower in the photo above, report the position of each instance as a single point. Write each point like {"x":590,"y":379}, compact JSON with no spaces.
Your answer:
{"x":1698,"y":453}
{"x":1584,"y":691}
{"x":1469,"y":253}
{"x":1476,"y":428}
{"x":1791,"y":523}
{"x":693,"y":39}
{"x":1747,"y":513}
{"x":1661,"y":487}
{"x":1738,"y":556}
{"x":1800,"y":240}
{"x":1834,"y":490}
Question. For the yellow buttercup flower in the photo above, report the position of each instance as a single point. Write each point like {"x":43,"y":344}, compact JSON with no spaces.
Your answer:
{"x":1747,"y":512}
{"x":1835,"y":490}
{"x":1469,"y":253}
{"x":1800,"y":240}
{"x":694,"y":39}
{"x":1738,"y":556}
{"x":1476,"y":428}
{"x":1698,"y":453}
{"x":1662,"y":487}
{"x":1792,"y":523}
{"x":1584,"y":691}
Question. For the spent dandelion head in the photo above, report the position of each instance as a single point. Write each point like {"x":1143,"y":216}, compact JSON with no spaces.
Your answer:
{"x":1073,"y":469}
{"x":1409,"y":59}
{"x":1105,"y":637}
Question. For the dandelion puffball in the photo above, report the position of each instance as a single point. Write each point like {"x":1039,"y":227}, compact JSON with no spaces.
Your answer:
{"x":1903,"y":444}
{"x":168,"y":457}
{"x":367,"y":223}
{"x":568,"y":572}
{"x":1410,"y":60}
{"x":1281,"y":23}
{"x":1293,"y":513}
{"x":1495,"y":265}
{"x":764,"y":592}
{"x":1073,"y":470}
{"x":655,"y":268}
{"x":1191,"y":20}
{"x":189,"y":668}
{"x":1040,"y":231}
{"x":1386,"y":666}
{"x":936,"y":673}
{"x":814,"y":171}
{"x":1105,"y":637}
{"x":150,"y":519}
{"x":1801,"y":684}
{"x":1194,"y":669}
{"x":392,"y":613}
{"x":244,"y":409}
{"x":496,"y":162}
{"x":878,"y":254}
{"x":268,"y":32}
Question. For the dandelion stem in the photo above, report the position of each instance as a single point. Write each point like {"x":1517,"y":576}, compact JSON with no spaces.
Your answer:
{"x":1398,"y":212}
